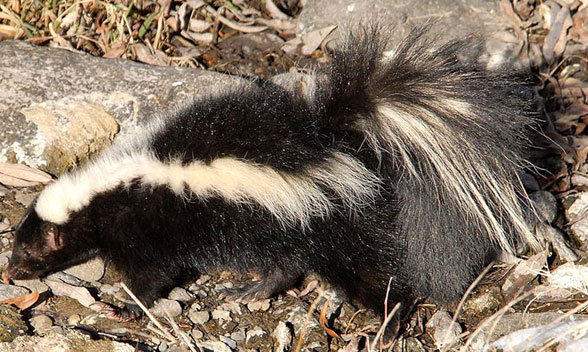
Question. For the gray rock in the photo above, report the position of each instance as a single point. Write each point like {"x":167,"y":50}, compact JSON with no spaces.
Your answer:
{"x":569,"y":276}
{"x":69,"y":341}
{"x":454,"y":20}
{"x":282,"y":338}
{"x":444,"y":330}
{"x":180,"y":294}
{"x":92,"y":270}
{"x":74,"y":319}
{"x":63,"y":106}
{"x":5,"y":257}
{"x":10,"y":291}
{"x":558,"y":241}
{"x":41,"y":323}
{"x":164,"y":306}
{"x":576,"y":207}
{"x":32,"y":285}
{"x":238,"y":335}
{"x":219,"y":314}
{"x":545,"y":204}
{"x":228,"y":341}
{"x":199,"y":318}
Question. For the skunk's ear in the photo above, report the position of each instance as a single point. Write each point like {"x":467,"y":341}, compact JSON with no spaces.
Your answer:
{"x":52,"y":236}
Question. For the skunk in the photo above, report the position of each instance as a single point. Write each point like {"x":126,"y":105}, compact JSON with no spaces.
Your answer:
{"x":394,"y":172}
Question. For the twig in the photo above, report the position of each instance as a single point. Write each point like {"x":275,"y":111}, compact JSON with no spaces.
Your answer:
{"x":147,"y":312}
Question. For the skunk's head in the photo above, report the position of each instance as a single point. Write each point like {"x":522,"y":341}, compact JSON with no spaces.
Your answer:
{"x":42,"y":246}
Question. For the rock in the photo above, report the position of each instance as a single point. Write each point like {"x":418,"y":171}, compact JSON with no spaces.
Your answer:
{"x":545,"y":205}
{"x":69,"y":341}
{"x":196,"y":333}
{"x":4,"y":257}
{"x":180,"y":294}
{"x":10,"y":291}
{"x":110,"y":289}
{"x":558,"y":241}
{"x":569,"y":276}
{"x":25,"y":198}
{"x":232,"y":307}
{"x":216,"y":346}
{"x":575,"y":210}
{"x":32,"y":285}
{"x":164,"y":306}
{"x":228,"y":341}
{"x":482,"y":304}
{"x":63,"y":106}
{"x":199,"y":318}
{"x":219,"y":314}
{"x":409,"y":344}
{"x":509,"y":323}
{"x":238,"y":335}
{"x":203,"y":279}
{"x":262,"y":305}
{"x":282,"y":338}
{"x":252,"y":335}
{"x":522,"y":274}
{"x":565,"y":333}
{"x":546,"y":293}
{"x":11,"y":324}
{"x":41,"y":323}
{"x":74,"y":319}
{"x":453,"y":20}
{"x":92,"y":270}
{"x":444,"y":330}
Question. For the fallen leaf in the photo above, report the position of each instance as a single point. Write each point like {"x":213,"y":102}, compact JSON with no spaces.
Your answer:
{"x":23,"y":302}
{"x":555,"y":41}
{"x":116,"y":50}
{"x":22,"y":176}
{"x":307,"y":43}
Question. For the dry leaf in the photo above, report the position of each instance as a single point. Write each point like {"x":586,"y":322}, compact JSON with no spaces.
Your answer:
{"x":330,"y":332}
{"x":116,"y":50}
{"x":198,"y":26}
{"x":555,"y":42}
{"x":23,"y":302}
{"x":144,"y":55}
{"x":80,"y":294}
{"x":19,"y":175}
{"x":307,"y":43}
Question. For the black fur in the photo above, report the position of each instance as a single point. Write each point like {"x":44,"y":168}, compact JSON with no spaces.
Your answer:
{"x":413,"y":235}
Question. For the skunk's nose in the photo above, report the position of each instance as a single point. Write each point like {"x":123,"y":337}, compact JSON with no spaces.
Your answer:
{"x":14,"y":272}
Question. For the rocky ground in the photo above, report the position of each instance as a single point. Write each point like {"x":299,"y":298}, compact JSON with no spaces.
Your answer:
{"x":61,"y":102}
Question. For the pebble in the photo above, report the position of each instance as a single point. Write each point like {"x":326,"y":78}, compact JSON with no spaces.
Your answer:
{"x":41,"y":323}
{"x":219,"y":314}
{"x":92,"y":270}
{"x":33,"y":285}
{"x":74,"y":319}
{"x":180,"y":294}
{"x":253,"y":334}
{"x":197,"y":334}
{"x":4,"y":258}
{"x":216,"y":346}
{"x":238,"y":335}
{"x":282,"y":337}
{"x":444,"y":332}
{"x":25,"y":198}
{"x":228,"y":341}
{"x":262,"y":305}
{"x":109,"y":289}
{"x":545,"y":204}
{"x":199,"y":318}
{"x":164,"y":306}
{"x":484,"y":303}
{"x":203,"y":279}
{"x":10,"y":291}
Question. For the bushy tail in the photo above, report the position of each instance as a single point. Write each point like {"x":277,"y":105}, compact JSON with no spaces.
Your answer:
{"x":447,"y":135}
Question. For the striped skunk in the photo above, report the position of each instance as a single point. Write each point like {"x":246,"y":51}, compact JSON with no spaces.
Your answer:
{"x":397,"y":172}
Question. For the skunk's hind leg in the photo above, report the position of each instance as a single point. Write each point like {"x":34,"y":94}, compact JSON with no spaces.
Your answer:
{"x":271,"y":282}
